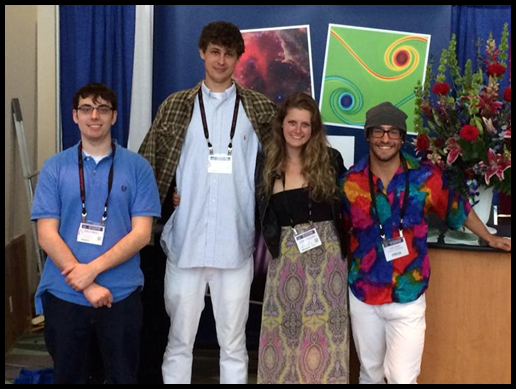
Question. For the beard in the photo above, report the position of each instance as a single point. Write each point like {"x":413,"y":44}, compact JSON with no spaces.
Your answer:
{"x":383,"y":157}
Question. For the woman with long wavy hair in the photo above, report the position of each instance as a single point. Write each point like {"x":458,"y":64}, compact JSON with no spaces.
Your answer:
{"x":304,"y":335}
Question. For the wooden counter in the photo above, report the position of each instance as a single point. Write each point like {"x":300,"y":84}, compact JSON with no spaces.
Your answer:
{"x":468,"y":336}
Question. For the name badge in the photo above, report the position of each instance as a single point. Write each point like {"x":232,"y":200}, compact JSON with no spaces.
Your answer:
{"x":395,"y":248}
{"x":91,"y":233}
{"x":307,"y":240}
{"x":220,"y":164}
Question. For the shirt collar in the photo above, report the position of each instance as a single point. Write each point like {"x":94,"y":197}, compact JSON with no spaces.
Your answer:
{"x":222,"y":96}
{"x":84,"y":155}
{"x":192,"y":93}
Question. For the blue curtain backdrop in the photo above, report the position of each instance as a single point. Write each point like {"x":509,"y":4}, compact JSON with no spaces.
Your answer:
{"x":96,"y":45}
{"x":469,"y":22}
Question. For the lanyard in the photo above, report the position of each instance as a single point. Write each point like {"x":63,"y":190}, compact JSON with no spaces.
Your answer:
{"x":83,"y":186}
{"x":205,"y":124}
{"x":405,"y":197}
{"x":287,"y":206}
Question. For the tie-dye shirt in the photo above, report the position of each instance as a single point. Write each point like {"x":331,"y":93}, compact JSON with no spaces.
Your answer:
{"x":372,"y":279}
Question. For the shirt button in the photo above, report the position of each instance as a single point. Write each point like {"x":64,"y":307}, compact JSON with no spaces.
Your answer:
{"x":94,"y":172}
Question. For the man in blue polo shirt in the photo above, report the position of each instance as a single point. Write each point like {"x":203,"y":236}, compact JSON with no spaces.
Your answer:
{"x":94,"y":206}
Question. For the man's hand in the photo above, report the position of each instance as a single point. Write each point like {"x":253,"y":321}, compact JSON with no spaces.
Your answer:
{"x":98,"y":296}
{"x":474,"y":224}
{"x":176,"y":199}
{"x":499,"y":242}
{"x":80,"y":276}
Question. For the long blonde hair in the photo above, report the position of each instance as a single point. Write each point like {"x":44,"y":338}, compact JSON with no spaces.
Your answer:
{"x":318,"y":169}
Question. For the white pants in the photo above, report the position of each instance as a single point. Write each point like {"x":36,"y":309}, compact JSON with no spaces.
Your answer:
{"x":184,"y":302}
{"x":389,"y":340}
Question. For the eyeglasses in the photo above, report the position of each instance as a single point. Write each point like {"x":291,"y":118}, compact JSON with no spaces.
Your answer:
{"x":101,"y":109}
{"x":393,"y":134}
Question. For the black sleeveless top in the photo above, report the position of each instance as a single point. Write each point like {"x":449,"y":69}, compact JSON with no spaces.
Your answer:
{"x":294,"y":204}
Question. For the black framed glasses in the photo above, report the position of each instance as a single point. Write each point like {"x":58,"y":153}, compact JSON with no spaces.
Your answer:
{"x":393,"y":133}
{"x":101,"y":109}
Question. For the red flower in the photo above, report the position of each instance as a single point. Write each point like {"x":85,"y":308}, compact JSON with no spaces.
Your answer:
{"x":422,"y":143}
{"x":441,"y":88}
{"x":507,"y":94}
{"x":495,"y":69}
{"x":427,"y":109}
{"x":470,"y":173}
{"x":469,"y":133}
{"x":439,"y":143}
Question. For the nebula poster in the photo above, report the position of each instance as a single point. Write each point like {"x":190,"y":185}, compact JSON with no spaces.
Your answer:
{"x":277,"y":62}
{"x":364,"y":67}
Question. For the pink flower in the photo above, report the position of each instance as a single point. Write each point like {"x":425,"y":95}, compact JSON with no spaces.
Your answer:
{"x":435,"y":158}
{"x":469,"y":133}
{"x":454,"y":150}
{"x":496,"y":166}
{"x":488,"y":103}
{"x":489,"y":125}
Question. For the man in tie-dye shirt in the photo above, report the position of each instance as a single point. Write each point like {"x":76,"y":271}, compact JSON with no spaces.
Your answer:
{"x":387,"y":197}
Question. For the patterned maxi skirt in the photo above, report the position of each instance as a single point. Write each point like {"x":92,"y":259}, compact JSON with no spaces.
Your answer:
{"x":304,"y":336}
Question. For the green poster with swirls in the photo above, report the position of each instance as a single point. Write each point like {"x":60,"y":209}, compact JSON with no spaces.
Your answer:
{"x":364,"y":67}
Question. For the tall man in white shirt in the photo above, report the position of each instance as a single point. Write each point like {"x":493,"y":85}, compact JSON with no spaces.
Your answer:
{"x":208,"y":139}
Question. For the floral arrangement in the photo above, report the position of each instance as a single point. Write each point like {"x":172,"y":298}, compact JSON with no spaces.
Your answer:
{"x":464,"y":126}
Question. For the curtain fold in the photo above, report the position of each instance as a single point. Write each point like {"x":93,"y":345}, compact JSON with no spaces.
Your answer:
{"x":470,"y":22}
{"x":96,"y":45}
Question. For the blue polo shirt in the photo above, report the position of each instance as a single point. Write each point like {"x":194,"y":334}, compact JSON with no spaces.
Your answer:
{"x":134,"y":193}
